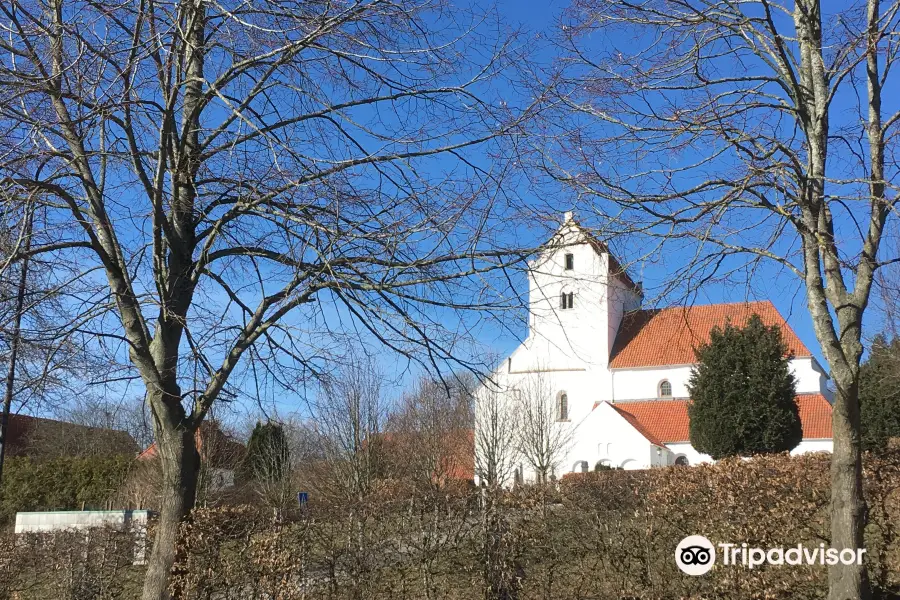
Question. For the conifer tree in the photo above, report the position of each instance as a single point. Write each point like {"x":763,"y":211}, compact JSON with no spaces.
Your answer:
{"x":742,"y":392}
{"x":268,"y":455}
{"x":879,"y":394}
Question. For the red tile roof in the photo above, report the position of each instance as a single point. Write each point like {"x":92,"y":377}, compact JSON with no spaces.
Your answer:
{"x":33,"y":436}
{"x":815,"y":414}
{"x":668,"y":336}
{"x":667,"y":420}
{"x":633,"y":420}
{"x":216,"y":448}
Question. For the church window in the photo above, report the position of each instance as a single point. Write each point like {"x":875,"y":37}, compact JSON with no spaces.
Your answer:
{"x":681,"y":460}
{"x":570,"y":262}
{"x":566,"y":300}
{"x":665,"y":389}
{"x":563,"y":407}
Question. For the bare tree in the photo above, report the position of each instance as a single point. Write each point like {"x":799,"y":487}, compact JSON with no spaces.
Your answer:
{"x":15,"y":340}
{"x":747,"y":132}
{"x":496,"y":435}
{"x":125,"y":414}
{"x":39,"y":344}
{"x":349,"y":413}
{"x":248,"y":176}
{"x":428,"y":436}
{"x":544,"y":433}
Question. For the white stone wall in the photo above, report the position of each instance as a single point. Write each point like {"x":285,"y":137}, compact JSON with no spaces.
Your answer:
{"x":30,"y":522}
{"x":576,"y":337}
{"x":608,"y":437}
{"x":811,"y":378}
{"x":62,"y":520}
{"x":696,"y":458}
{"x":685,"y":449}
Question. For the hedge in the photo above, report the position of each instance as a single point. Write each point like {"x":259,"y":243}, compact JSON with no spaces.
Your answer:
{"x":599,"y":535}
{"x":64,"y":483}
{"x":608,"y":535}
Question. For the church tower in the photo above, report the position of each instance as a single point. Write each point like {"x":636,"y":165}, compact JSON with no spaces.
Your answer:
{"x":577,"y":296}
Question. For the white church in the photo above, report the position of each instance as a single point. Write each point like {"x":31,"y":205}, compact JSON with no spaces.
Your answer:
{"x":617,"y":374}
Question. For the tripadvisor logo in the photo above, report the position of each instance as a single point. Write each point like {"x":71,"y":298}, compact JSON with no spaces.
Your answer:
{"x":696,"y":555}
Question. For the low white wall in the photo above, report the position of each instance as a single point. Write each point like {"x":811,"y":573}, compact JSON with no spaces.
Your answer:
{"x":813,"y":446}
{"x":32,"y":522}
{"x":696,"y":458}
{"x":62,"y":520}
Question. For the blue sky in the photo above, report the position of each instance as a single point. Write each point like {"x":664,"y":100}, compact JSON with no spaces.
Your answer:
{"x":538,"y":19}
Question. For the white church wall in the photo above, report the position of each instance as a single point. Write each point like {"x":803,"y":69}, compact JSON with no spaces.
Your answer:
{"x":807,"y":446}
{"x":685,"y":449}
{"x":695,"y":458}
{"x":811,"y":379}
{"x":580,"y":388}
{"x":577,"y":336}
{"x":606,"y":436}
{"x":643,"y":384}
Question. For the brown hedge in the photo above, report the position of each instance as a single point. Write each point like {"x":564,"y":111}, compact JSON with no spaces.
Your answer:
{"x":600,"y":535}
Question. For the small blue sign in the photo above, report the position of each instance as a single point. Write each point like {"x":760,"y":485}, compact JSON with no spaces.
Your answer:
{"x":302,"y":498}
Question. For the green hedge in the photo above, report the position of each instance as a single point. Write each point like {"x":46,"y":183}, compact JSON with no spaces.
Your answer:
{"x":65,"y":483}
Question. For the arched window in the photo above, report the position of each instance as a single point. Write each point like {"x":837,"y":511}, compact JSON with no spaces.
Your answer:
{"x":665,"y":389}
{"x":562,"y":404}
{"x":566,"y":300}
{"x":681,"y":460}
{"x":580,"y":466}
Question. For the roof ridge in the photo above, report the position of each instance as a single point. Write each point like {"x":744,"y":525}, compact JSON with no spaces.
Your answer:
{"x":689,"y":306}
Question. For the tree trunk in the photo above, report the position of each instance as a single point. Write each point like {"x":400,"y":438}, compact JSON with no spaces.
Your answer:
{"x":180,"y":466}
{"x":16,"y":340}
{"x":847,"y":582}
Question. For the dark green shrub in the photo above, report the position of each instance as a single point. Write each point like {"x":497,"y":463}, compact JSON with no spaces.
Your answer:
{"x":743,"y":393}
{"x":879,"y":394}
{"x":64,"y":483}
{"x":268,"y":456}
